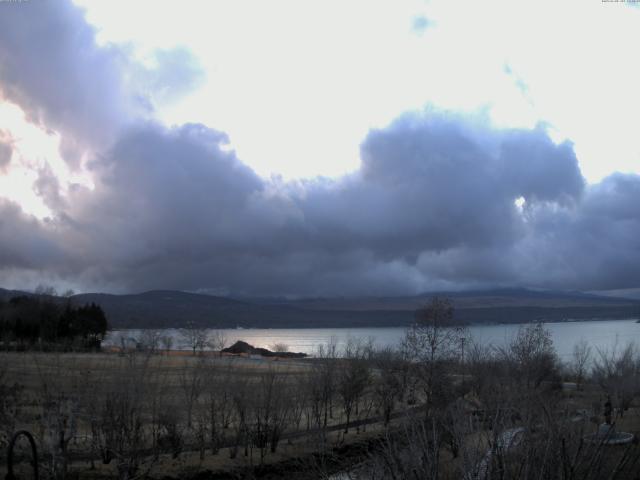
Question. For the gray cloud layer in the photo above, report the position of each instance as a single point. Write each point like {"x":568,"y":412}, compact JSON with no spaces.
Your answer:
{"x":432,"y":206}
{"x":51,"y":66}
{"x":6,"y":150}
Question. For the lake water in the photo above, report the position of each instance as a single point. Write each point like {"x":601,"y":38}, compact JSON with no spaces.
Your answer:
{"x":602,"y":334}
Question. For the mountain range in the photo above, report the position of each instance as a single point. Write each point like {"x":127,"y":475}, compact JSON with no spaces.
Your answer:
{"x":171,"y":308}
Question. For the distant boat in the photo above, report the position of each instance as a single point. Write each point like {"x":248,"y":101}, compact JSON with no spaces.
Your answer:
{"x":238,"y":327}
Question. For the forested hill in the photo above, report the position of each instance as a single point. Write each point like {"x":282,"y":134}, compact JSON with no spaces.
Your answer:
{"x":174,"y":309}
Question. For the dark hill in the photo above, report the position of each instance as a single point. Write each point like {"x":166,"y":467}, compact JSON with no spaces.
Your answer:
{"x":161,"y":309}
{"x":168,"y":308}
{"x":173,"y":308}
{"x":471,"y":299}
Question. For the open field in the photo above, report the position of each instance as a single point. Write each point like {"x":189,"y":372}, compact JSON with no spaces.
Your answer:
{"x":164,"y":402}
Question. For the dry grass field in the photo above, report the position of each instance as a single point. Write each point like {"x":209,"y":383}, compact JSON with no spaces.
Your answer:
{"x":171,"y":394}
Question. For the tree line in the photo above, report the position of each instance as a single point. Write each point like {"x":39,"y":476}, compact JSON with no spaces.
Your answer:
{"x":47,"y":321}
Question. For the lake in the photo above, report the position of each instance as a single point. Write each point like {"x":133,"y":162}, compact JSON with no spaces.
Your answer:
{"x":602,"y":334}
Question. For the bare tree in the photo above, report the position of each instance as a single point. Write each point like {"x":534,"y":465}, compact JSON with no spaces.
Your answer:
{"x":482,"y":365}
{"x":580,"y":360}
{"x":241,"y":411}
{"x":532,"y":356}
{"x":411,"y":453}
{"x":194,"y":337}
{"x":59,"y":407}
{"x":300,"y":404}
{"x":353,"y":378}
{"x":618,"y":373}
{"x":270,"y":411}
{"x":218,"y":403}
{"x":323,"y":383}
{"x":167,"y":343}
{"x":388,"y":382}
{"x":124,"y":411}
{"x":433,"y":341}
{"x":279,"y":347}
{"x":150,"y":340}
{"x":191,"y":381}
{"x":170,"y":434}
{"x":11,"y":398}
{"x":217,"y":340}
{"x":60,"y":415}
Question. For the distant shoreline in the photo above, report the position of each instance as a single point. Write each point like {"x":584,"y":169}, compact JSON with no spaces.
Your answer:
{"x":351,"y":327}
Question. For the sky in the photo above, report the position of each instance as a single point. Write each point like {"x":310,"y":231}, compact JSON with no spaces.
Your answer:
{"x":319,"y":148}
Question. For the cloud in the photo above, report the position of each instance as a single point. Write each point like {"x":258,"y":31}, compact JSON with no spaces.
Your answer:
{"x":589,"y":246}
{"x":441,"y":199}
{"x":173,"y":207}
{"x":6,"y":150}
{"x":52,"y":67}
{"x":594,"y":247}
{"x":25,"y":243}
{"x":436,"y":181}
{"x":432,"y":206}
{"x":47,"y":186}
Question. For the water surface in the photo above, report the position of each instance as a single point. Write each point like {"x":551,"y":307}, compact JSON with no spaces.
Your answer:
{"x":601,"y":334}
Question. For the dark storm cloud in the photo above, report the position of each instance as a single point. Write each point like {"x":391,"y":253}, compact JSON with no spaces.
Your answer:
{"x":174,"y":207}
{"x":596,"y":246}
{"x":592,"y":245}
{"x":434,"y":181}
{"x":432,"y":206}
{"x":25,"y":243}
{"x":170,"y":190}
{"x":165,"y":200}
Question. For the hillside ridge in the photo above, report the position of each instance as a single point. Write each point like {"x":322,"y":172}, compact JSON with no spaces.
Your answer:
{"x":174,"y":308}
